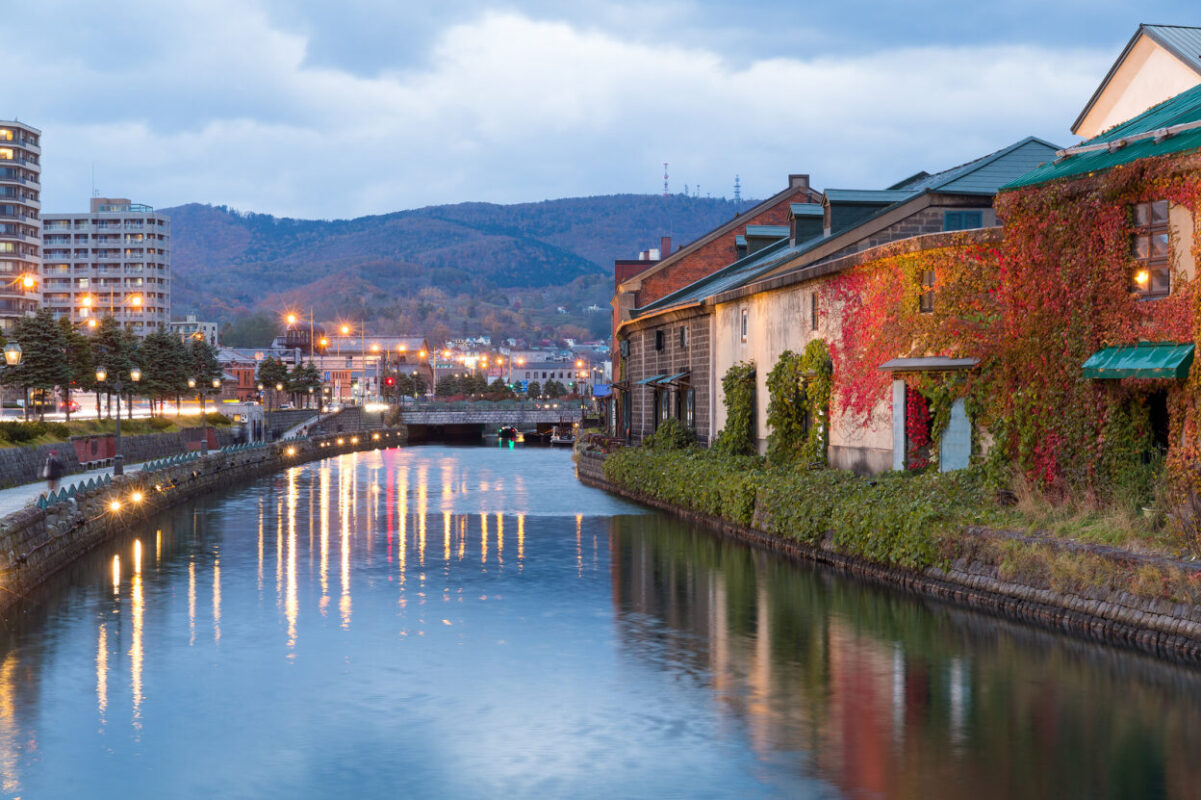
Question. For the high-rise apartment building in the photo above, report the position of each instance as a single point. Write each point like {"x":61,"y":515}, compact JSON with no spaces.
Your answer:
{"x":20,"y":226}
{"x":113,"y":261}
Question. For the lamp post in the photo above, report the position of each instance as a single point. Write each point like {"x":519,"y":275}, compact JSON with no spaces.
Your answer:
{"x":204,"y":426}
{"x":12,"y":355}
{"x":135,"y":375}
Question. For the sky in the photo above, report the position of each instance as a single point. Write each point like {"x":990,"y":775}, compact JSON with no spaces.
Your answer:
{"x":341,"y":109}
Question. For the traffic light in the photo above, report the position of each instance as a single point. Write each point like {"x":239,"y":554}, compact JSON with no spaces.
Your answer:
{"x":389,"y":381}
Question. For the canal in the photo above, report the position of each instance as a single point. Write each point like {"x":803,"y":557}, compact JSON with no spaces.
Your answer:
{"x":472,"y":622}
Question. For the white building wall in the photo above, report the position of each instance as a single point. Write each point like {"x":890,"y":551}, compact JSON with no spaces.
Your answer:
{"x":777,"y":321}
{"x":112,"y":262}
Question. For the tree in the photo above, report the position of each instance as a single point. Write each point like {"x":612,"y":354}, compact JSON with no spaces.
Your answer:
{"x":81,"y":362}
{"x":273,"y":372}
{"x":202,"y":366}
{"x":114,"y":349}
{"x":164,"y":367}
{"x":499,"y":390}
{"x":554,"y":389}
{"x":449,"y":386}
{"x":301,"y":379}
{"x":534,"y":390}
{"x":43,"y":357}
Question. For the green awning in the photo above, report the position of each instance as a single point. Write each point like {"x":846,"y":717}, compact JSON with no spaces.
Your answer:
{"x":673,"y":378}
{"x":1142,"y":360}
{"x":651,"y":379}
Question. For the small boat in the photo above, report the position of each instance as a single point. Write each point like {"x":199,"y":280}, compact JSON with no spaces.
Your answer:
{"x":561,"y":438}
{"x":508,"y":433}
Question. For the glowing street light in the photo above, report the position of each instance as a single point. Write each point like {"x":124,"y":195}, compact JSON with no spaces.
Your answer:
{"x":291,"y":318}
{"x":12,"y":354}
{"x":135,"y":375}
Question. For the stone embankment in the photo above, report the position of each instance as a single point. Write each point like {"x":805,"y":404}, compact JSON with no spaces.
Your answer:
{"x":1155,"y":626}
{"x":20,"y":465}
{"x":35,"y":543}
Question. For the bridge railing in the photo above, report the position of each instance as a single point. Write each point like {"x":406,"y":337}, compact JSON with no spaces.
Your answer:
{"x":493,"y":405}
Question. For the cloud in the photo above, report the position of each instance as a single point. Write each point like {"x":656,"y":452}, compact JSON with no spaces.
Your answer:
{"x":216,"y":103}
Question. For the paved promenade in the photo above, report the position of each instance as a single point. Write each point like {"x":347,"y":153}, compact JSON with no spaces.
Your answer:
{"x":17,"y":497}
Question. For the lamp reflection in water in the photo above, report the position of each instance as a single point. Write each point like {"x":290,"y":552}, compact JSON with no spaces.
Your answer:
{"x":138,"y":608}
{"x":520,"y":540}
{"x":483,"y":538}
{"x":217,"y":599}
{"x":423,"y":496}
{"x":116,"y":575}
{"x":346,"y":480}
{"x":262,"y":525}
{"x":191,"y":601}
{"x":102,"y":671}
{"x":500,"y":538}
{"x":11,"y":738}
{"x":291,"y":604}
{"x":323,"y":505}
{"x":402,"y":541}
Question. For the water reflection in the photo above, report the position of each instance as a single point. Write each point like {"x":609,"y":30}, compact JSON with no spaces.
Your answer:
{"x":891,"y":697}
{"x":625,"y":654}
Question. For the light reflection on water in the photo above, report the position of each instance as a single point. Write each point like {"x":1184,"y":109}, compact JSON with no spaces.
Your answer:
{"x":508,"y":632}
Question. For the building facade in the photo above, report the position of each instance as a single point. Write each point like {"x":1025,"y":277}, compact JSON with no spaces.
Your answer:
{"x":20,"y":221}
{"x":113,"y":261}
{"x":192,"y":328}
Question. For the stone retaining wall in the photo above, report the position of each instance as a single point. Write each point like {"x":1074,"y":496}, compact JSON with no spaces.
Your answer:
{"x":20,"y":465}
{"x":36,"y":543}
{"x":1159,"y":627}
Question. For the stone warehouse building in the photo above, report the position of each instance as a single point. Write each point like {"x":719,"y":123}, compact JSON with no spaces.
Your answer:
{"x":674,"y":351}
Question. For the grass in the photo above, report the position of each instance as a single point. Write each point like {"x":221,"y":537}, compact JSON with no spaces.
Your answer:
{"x":33,"y":433}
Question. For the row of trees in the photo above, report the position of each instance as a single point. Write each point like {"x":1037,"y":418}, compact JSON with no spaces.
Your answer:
{"x":478,"y":386}
{"x":56,"y":356}
{"x":302,"y":384}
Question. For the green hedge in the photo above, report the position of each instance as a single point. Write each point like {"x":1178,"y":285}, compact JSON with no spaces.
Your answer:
{"x":897,"y":519}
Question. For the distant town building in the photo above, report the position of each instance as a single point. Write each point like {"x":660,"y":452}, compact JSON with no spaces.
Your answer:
{"x":20,"y":236}
{"x":114,"y":261}
{"x":191,"y":328}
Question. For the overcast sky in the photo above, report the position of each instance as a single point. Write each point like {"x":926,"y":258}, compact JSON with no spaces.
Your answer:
{"x":347,"y":107}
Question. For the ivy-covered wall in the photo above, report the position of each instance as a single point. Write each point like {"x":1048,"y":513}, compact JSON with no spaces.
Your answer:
{"x":1032,"y":308}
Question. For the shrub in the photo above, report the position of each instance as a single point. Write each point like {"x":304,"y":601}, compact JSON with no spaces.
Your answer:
{"x":671,"y":435}
{"x":159,"y":423}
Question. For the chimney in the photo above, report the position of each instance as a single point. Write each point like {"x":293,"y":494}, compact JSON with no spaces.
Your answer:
{"x":664,"y":246}
{"x":800,"y":182}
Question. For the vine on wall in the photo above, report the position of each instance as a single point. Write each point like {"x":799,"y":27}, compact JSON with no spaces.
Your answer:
{"x":737,"y":438}
{"x":1032,"y":309}
{"x":797,"y":412}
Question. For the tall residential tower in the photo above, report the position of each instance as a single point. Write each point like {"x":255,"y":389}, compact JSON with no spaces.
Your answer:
{"x":20,"y":226}
{"x":113,"y":261}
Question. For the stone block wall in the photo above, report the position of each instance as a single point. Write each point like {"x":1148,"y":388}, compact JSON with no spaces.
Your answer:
{"x":20,"y":465}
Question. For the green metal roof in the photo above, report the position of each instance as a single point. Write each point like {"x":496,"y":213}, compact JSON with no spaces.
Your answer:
{"x":651,"y":379}
{"x":806,"y":209}
{"x":1142,"y":360}
{"x":875,"y":197}
{"x":1184,"y":107}
{"x":769,"y":231}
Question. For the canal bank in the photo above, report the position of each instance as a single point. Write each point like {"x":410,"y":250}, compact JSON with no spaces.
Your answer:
{"x":38,"y":541}
{"x":979,"y":575}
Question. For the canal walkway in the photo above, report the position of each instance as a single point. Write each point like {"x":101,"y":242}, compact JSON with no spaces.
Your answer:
{"x":17,"y":497}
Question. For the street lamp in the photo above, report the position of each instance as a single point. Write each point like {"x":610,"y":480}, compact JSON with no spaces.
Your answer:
{"x":135,"y":375}
{"x":204,"y":423}
{"x":12,"y":354}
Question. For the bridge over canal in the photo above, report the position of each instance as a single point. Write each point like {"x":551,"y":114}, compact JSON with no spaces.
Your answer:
{"x":472,"y":421}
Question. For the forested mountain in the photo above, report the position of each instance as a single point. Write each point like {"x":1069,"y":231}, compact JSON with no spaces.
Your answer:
{"x":504,"y":270}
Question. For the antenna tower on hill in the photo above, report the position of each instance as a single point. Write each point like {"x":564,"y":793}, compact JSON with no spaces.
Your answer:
{"x":665,"y":179}
{"x":737,"y":195}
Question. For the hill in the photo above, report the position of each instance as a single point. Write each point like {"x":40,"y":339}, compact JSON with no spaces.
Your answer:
{"x":505,"y":270}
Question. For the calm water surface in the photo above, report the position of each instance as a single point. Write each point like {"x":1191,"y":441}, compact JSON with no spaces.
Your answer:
{"x":471,"y":622}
